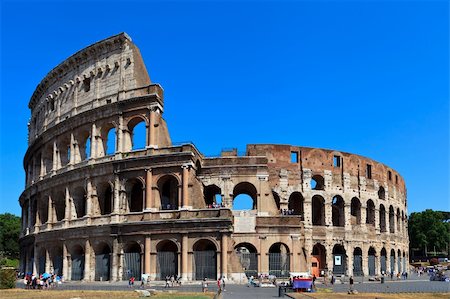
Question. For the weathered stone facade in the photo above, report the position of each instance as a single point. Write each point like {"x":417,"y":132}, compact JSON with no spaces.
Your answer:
{"x":90,"y":212}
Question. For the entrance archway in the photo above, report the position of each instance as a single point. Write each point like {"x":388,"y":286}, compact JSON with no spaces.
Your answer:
{"x":132,"y":261}
{"x":279,"y":260}
{"x":102,"y":262}
{"x":205,"y":260}
{"x":318,"y":260}
{"x":248,"y":258}
{"x":357,"y":262}
{"x":167,"y":262}
{"x":339,"y":260}
{"x":372,"y":254}
{"x":77,"y":267}
{"x":383,"y":257}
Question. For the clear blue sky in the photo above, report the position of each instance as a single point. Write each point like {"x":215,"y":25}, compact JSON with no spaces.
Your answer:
{"x":367,"y":77}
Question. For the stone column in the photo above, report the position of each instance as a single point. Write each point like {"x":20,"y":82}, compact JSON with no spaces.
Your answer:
{"x":50,"y":217}
{"x":115,"y":260}
{"x":35,"y":259}
{"x":48,"y":264}
{"x":365,"y":260}
{"x":184,"y":257}
{"x":349,"y":259}
{"x":224,"y":256}
{"x":68,"y":210}
{"x":89,"y":195}
{"x":330,"y":260}
{"x":147,"y":249}
{"x":55,"y":157}
{"x":377,"y":219}
{"x":87,"y":261}
{"x":363,"y":216}
{"x":29,"y":214}
{"x":347,"y":215}
{"x":328,"y":212}
{"x":116,"y":199}
{"x":93,"y":142}
{"x":148,"y":189}
{"x":42,"y":171}
{"x":72,"y":149}
{"x":151,"y":128}
{"x":185,"y":188}
{"x":119,"y":141}
{"x":66,"y":257}
{"x":388,"y":260}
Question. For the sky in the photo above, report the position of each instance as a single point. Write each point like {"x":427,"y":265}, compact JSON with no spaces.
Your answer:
{"x":366,"y":77}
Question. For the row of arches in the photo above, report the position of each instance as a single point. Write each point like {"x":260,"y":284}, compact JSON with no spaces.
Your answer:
{"x":79,"y":146}
{"x":371,"y":263}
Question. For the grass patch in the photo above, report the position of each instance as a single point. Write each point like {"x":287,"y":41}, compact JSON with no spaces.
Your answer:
{"x":369,"y":295}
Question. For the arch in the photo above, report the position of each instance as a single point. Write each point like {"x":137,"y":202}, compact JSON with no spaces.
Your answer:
{"x":56,"y":255}
{"x":132,"y":261}
{"x":87,"y":148}
{"x":382,"y":219}
{"x":167,"y":259}
{"x":102,"y":262}
{"x":404,"y":262}
{"x":295,"y":204}
{"x":168,"y":186}
{"x":43,"y":209}
{"x":357,"y":262}
{"x":205,"y":259}
{"x":59,"y":202}
{"x":110,"y":142}
{"x":47,"y":157}
{"x":399,"y":261}
{"x":318,"y":210}
{"x":391,"y":220}
{"x":64,"y":151}
{"x":398,"y":220}
{"x":41,"y":257}
{"x":79,"y":201}
{"x":355,"y":211}
{"x":244,"y":196}
{"x":135,"y":192}
{"x":381,"y":193}
{"x":212,"y":195}
{"x":372,"y":254}
{"x":137,"y":127}
{"x":383,"y":258}
{"x":279,"y":260}
{"x":338,"y":216}
{"x":248,"y":257}
{"x":77,"y":264}
{"x":339,"y":260}
{"x":276,"y":197}
{"x":317,"y":182}
{"x":105,"y":198}
{"x":392,"y":260}
{"x":370,"y":212}
{"x":319,"y":258}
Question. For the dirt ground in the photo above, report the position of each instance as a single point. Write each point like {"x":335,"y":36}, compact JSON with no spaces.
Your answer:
{"x":64,"y":294}
{"x":369,"y":296}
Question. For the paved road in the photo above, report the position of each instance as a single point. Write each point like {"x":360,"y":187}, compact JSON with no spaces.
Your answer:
{"x":243,"y":292}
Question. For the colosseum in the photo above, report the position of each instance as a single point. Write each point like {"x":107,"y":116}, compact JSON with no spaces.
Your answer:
{"x":99,"y":205}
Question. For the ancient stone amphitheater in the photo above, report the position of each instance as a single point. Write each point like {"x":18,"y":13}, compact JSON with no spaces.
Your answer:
{"x":99,"y":205}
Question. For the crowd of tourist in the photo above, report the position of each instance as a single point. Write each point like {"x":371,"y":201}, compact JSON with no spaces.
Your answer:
{"x":41,"y":282}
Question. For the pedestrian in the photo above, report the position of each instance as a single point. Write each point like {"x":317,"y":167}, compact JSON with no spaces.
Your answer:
{"x":167,"y":282}
{"x":222,"y":283}
{"x":219,"y":282}
{"x":406,"y":275}
{"x":204,"y":285}
{"x":350,"y":290}
{"x":172,"y":280}
{"x":314,"y":281}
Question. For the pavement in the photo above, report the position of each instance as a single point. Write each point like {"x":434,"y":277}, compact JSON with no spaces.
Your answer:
{"x":240,"y":291}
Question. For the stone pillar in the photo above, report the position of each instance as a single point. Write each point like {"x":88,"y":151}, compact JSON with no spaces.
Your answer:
{"x":72,"y":149}
{"x":330,"y":260}
{"x":89,"y":195}
{"x":347,"y":215}
{"x":116,"y":198}
{"x":115,"y":260}
{"x":29,"y":214}
{"x":224,"y":256}
{"x":42,"y":169}
{"x":48,"y":264}
{"x":93,"y":142}
{"x":87,"y":261}
{"x":35,"y":259}
{"x":68,"y":210}
{"x":66,"y":257}
{"x":184,"y":257}
{"x":55,"y":157}
{"x":185,"y":179}
{"x":377,"y":219}
{"x":388,"y":260}
{"x":147,"y":249}
{"x":328,"y":212}
{"x":148,"y":189}
{"x":363,"y":216}
{"x":365,"y":260}
{"x":50,"y":217}
{"x":119,"y":141}
{"x":151,"y":128}
{"x":349,"y":259}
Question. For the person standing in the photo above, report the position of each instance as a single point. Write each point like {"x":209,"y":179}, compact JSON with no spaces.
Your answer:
{"x":350,"y":290}
{"x":204,"y":285}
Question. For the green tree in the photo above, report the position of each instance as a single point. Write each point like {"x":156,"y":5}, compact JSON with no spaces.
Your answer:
{"x":9,"y":235}
{"x":429,"y":231}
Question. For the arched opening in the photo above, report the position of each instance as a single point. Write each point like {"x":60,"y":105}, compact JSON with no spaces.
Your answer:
{"x":102,"y":262}
{"x":404,"y":262}
{"x":295,"y":204}
{"x":168,"y":192}
{"x":213,"y":196}
{"x":383,"y":258}
{"x":87,"y":148}
{"x":391,"y":220}
{"x":77,"y":265}
{"x":167,"y":261}
{"x":338,"y":216}
{"x":279,"y":260}
{"x":399,"y":261}
{"x":372,"y":255}
{"x":79,"y":201}
{"x":357,"y":262}
{"x":47,"y":157}
{"x":248,"y":257}
{"x":41,"y":257}
{"x":355,"y":211}
{"x":105,"y":198}
{"x":318,"y":210}
{"x":138,"y":135}
{"x":59,"y":202}
{"x":244,"y":196}
{"x":318,"y":260}
{"x":132,"y":261}
{"x":205,"y":260}
{"x":43,"y":209}
{"x":317,"y":182}
{"x":339,"y":260}
{"x":392,"y":260}
{"x":399,"y":228}
{"x":110,"y":142}
{"x":57,"y":260}
{"x":382,"y":219}
{"x":135,"y":190}
{"x":381,"y":193}
{"x":370,"y":212}
{"x":64,"y":151}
